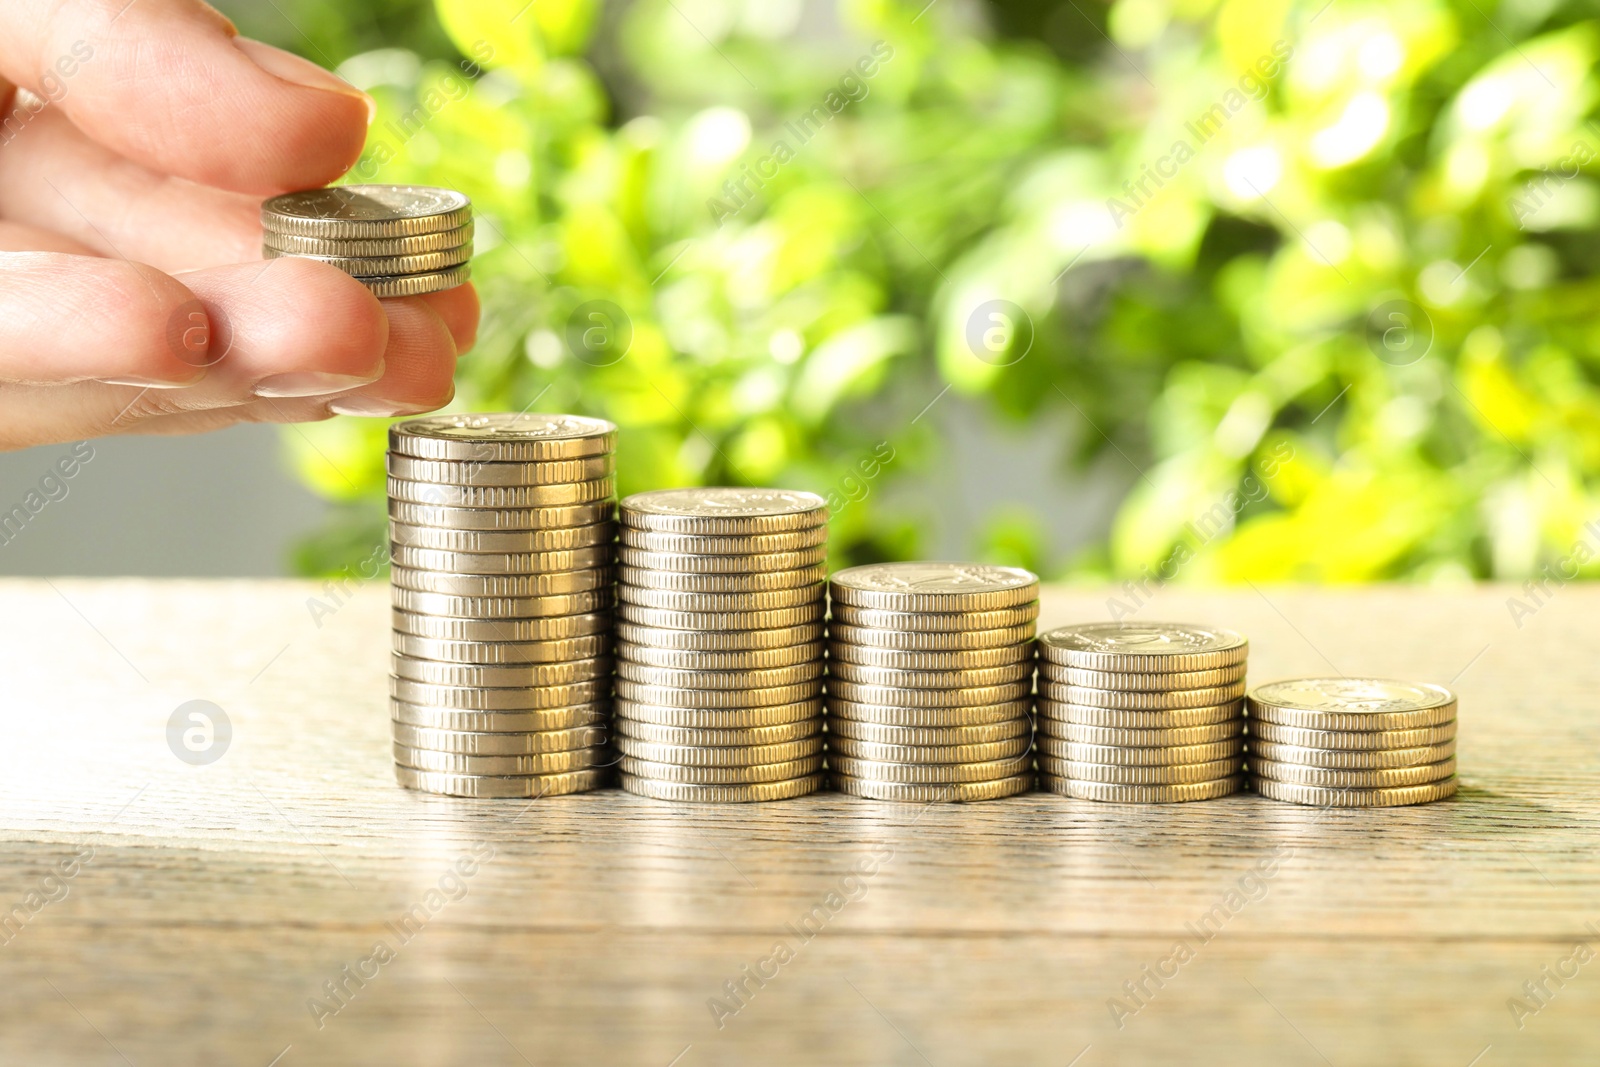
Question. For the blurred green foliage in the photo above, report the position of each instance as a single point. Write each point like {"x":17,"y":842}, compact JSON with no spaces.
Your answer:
{"x":1318,"y":275}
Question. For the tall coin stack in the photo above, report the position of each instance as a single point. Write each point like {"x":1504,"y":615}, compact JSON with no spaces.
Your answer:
{"x":719,"y":639}
{"x":1141,"y":713}
{"x":397,"y":240}
{"x":1352,"y":742}
{"x":502,"y":529}
{"x":930,"y":669}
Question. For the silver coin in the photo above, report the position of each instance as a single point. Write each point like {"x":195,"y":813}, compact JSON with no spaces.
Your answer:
{"x":554,"y":583}
{"x":917,"y":793}
{"x":499,"y":743}
{"x":440,"y":241}
{"x":892,"y":696}
{"x":519,"y":698}
{"x":535,"y":763}
{"x":842,"y":633}
{"x":930,"y":773}
{"x":1107,"y":735}
{"x":1333,"y":778}
{"x":960,"y":659}
{"x":933,"y":587}
{"x":490,"y":609}
{"x":435,"y":559}
{"x":722,"y":755}
{"x":758,"y":678}
{"x":487,"y":787}
{"x":720,"y":737}
{"x":502,"y":519}
{"x":1233,"y":711}
{"x":723,"y":583}
{"x":719,"y":718}
{"x":1355,"y":798}
{"x":502,"y":653}
{"x":757,"y":772}
{"x":1352,"y":704}
{"x":366,"y":212}
{"x":1140,"y":757}
{"x":980,"y":752}
{"x":471,"y":675}
{"x":382,"y":266}
{"x":1141,"y":682}
{"x":770,"y":619}
{"x":1364,"y":740}
{"x":1143,"y":646}
{"x":935,"y":621}
{"x":502,"y":541}
{"x":682,"y":563}
{"x":888,"y":715}
{"x":707,"y":545}
{"x":717,"y":641}
{"x":724,"y":510}
{"x":390,"y":288}
{"x":1016,"y":728}
{"x":676,"y":697}
{"x":554,"y":628}
{"x":1108,"y":792}
{"x":740,"y":660}
{"x":502,"y":496}
{"x":503,"y":437}
{"x":1140,"y":700}
{"x":474,"y":472}
{"x":457,"y":720}
{"x":863,"y":674}
{"x":750,"y":792}
{"x":1352,"y":760}
{"x":1147,"y":774}
{"x":674,"y":600}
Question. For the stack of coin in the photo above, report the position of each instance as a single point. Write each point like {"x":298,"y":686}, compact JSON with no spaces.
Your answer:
{"x":503,"y":537}
{"x":397,"y":240}
{"x":930,"y":667}
{"x":1141,"y":713}
{"x":1352,"y":742}
{"x":719,"y":643}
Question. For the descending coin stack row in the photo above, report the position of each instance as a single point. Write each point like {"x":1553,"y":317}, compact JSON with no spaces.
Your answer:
{"x":502,"y":531}
{"x":719,"y":638}
{"x":1141,"y":713}
{"x":397,"y":240}
{"x":1352,"y":742}
{"x":930,"y":667}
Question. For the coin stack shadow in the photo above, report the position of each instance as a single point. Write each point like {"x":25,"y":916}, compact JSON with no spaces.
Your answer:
{"x":1352,"y":742}
{"x":503,"y":541}
{"x":397,"y":240}
{"x":1141,"y":713}
{"x":719,"y":639}
{"x":930,"y":668}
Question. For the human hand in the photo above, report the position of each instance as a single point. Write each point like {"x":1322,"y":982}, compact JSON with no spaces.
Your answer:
{"x":133,"y":296}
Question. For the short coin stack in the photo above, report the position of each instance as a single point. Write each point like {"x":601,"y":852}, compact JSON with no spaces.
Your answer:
{"x":930,"y":668}
{"x":502,"y":529}
{"x":397,"y":240}
{"x":719,"y":638}
{"x":1352,"y":742}
{"x":1141,"y":713}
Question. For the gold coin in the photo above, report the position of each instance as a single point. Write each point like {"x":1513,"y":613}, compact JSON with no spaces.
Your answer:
{"x":442,"y":241}
{"x":498,"y":743}
{"x":721,"y":755}
{"x":720,"y":737}
{"x":719,"y":718}
{"x":489,"y":610}
{"x":1142,"y":794}
{"x":892,"y":696}
{"x":935,"y":621}
{"x":1364,"y":740}
{"x":1152,"y":756}
{"x":1146,"y":681}
{"x":1142,"y":774}
{"x":1232,"y":711}
{"x":1154,"y":738}
{"x":762,"y":678}
{"x":503,"y":437}
{"x":556,"y":539}
{"x":511,"y":563}
{"x":749,"y":792}
{"x":487,"y":787}
{"x":952,"y":792}
{"x":502,"y":653}
{"x":552,"y":628}
{"x":771,"y":619}
{"x":1326,"y":778}
{"x":736,"y":660}
{"x":1143,"y":646}
{"x":961,"y":659}
{"x":489,"y":520}
{"x":761,"y":582}
{"x":1136,"y":700}
{"x":1348,"y":760}
{"x":1352,"y":704}
{"x":557,"y":583}
{"x":976,"y":753}
{"x":675,"y":600}
{"x":366,"y":212}
{"x":688,"y":563}
{"x":535,"y":763}
{"x":519,"y":497}
{"x":715,"y":699}
{"x":1355,"y":798}
{"x":713,"y":544}
{"x":1014,"y":728}
{"x":842,"y":633}
{"x":724,"y":510}
{"x":472,"y":675}
{"x":518,"y":698}
{"x":418,"y":284}
{"x":971,"y":678}
{"x":382,"y":266}
{"x":756,"y":772}
{"x":885,"y":715}
{"x":718,"y":640}
{"x":473,"y":472}
{"x":928,"y":586}
{"x":929,"y":773}
{"x":457,"y":720}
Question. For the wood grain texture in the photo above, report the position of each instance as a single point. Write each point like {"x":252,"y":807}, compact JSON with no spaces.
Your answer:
{"x":219,"y":899}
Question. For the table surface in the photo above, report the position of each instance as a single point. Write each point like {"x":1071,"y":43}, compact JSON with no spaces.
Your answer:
{"x":255,"y":910}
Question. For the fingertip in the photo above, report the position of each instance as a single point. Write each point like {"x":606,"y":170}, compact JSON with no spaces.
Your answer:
{"x":461,"y":309}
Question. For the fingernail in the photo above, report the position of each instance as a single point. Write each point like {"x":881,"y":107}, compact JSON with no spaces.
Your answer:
{"x":148,"y":383}
{"x":292,"y":68}
{"x":372,"y":407}
{"x":313,"y":383}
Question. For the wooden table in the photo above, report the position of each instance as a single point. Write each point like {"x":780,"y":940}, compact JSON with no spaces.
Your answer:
{"x":163,"y":913}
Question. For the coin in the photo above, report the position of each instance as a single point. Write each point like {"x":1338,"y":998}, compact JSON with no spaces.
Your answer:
{"x":1177,"y":735}
{"x":382,"y":266}
{"x":1139,"y":757}
{"x":929,"y":773}
{"x":1365,"y":740}
{"x":502,"y":541}
{"x":556,"y":583}
{"x":1142,"y":794}
{"x":555,"y":628}
{"x":486,"y":787}
{"x":929,"y":698}
{"x":498,"y":743}
{"x":1352,"y":704}
{"x":896,"y":716}
{"x":864,"y":674}
{"x":935,"y":621}
{"x":756,"y":772}
{"x":1327,"y":778}
{"x":1143,"y":681}
{"x":746,"y":659}
{"x":1144,"y":774}
{"x":501,"y":496}
{"x":1140,"y":720}
{"x":1355,"y":798}
{"x":676,"y":697}
{"x":719,"y":718}
{"x":981,"y":752}
{"x":843,"y":633}
{"x":502,"y":653}
{"x":1143,"y":646}
{"x":366,"y":212}
{"x":531,"y":763}
{"x":1014,"y":728}
{"x":454,"y":720}
{"x":1345,"y":759}
{"x":720,"y":755}
{"x":722,"y":794}
{"x":683,"y":563}
{"x":953,"y":792}
{"x":1136,"y":700}
{"x":744,"y":544}
{"x":724,"y":583}
{"x":441,"y":241}
{"x":724,"y":510}
{"x":501,"y":519}
{"x":720,"y":737}
{"x":771,"y":619}
{"x":390,"y":288}
{"x":490,"y":609}
{"x":503,"y":437}
{"x":961,"y":659}
{"x":674,"y":600}
{"x":435,"y":559}
{"x":519,"y":698}
{"x":933,"y":587}
{"x":475,"y":472}
{"x":537,"y":675}
{"x":756,"y":678}
{"x":719,"y":641}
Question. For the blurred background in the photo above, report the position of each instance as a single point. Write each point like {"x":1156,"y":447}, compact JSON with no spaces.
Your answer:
{"x":1153,"y":290}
